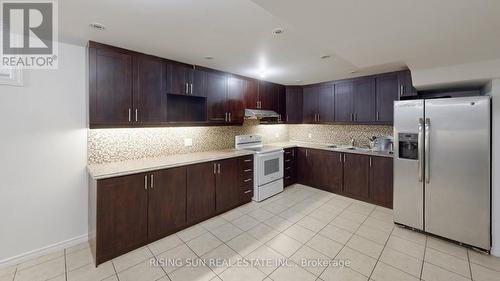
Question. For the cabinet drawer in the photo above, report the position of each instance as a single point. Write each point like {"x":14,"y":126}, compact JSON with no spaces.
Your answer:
{"x":290,"y":153}
{"x":246,"y":195}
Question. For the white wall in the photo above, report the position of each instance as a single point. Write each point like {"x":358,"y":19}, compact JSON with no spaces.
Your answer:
{"x":43,"y":146}
{"x":495,"y":93}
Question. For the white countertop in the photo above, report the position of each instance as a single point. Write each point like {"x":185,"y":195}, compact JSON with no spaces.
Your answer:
{"x":123,"y":168}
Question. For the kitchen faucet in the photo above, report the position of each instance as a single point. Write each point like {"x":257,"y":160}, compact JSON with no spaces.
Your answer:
{"x":352,"y":141}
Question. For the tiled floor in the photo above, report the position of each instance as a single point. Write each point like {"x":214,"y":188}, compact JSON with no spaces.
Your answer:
{"x":301,"y":234}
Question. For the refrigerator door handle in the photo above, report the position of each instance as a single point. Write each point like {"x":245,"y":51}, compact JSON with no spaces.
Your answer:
{"x":420,"y":149}
{"x":427,"y":149}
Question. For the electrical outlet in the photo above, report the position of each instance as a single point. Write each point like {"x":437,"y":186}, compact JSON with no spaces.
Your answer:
{"x":310,"y":135}
{"x":188,"y":142}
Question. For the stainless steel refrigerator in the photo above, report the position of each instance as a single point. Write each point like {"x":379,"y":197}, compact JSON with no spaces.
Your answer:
{"x":442,"y":168}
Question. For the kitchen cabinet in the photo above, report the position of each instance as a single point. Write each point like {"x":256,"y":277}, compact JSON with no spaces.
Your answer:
{"x":364,"y":100}
{"x":386,"y":94}
{"x":185,"y":79}
{"x":150,"y":90}
{"x":122,"y":216}
{"x":167,"y":202}
{"x":381,"y":180}
{"x":406,"y":88}
{"x":235,"y":99}
{"x":269,"y":96}
{"x":110,"y":86}
{"x":326,"y":101}
{"x":304,"y":167}
{"x":290,"y":166}
{"x":335,"y":172}
{"x":344,"y":101}
{"x":227,"y":189}
{"x":293,"y":105}
{"x":251,"y":95}
{"x":216,"y":93}
{"x":200,"y":191}
{"x":246,"y":178}
{"x":310,"y":104}
{"x":356,"y":175}
{"x":321,"y":169}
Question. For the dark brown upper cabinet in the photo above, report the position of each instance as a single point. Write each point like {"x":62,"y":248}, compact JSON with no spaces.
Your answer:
{"x":185,"y":79}
{"x":216,"y":92}
{"x":326,"y":102}
{"x":344,"y":93}
{"x":251,"y":95}
{"x":364,"y":100}
{"x":268,"y":96}
{"x":235,"y":98}
{"x":406,"y":88}
{"x":310,"y":104}
{"x":387,"y":93}
{"x":110,"y":86}
{"x":150,"y":90}
{"x":293,"y":105}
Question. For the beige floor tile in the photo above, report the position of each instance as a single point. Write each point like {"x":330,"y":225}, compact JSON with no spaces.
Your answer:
{"x":431,"y":272}
{"x":358,"y":261}
{"x":485,"y":260}
{"x":278,"y":223}
{"x":197,"y":272}
{"x":78,"y":247}
{"x":365,"y":246}
{"x":275,"y":208}
{"x":9,"y":270}
{"x":165,"y":244}
{"x":40,"y":260}
{"x":292,"y":215}
{"x":325,"y":246}
{"x":299,"y":233}
{"x":384,"y":272}
{"x":353,"y":216}
{"x":226,"y":232}
{"x":262,"y":232}
{"x":115,"y":278}
{"x":143,"y":271}
{"x":7,"y":277}
{"x":447,"y":247}
{"x":311,"y":260}
{"x":249,"y":207}
{"x":292,"y":272}
{"x":284,"y":245}
{"x":265,"y":259}
{"x":245,"y":222}
{"x":176,"y":258}
{"x":90,"y":272}
{"x":480,"y":273}
{"x":204,"y":243}
{"x":336,"y":233}
{"x":334,"y":273}
{"x":448,"y":262}
{"x":78,"y":259}
{"x":323,"y":215}
{"x":402,"y":262}
{"x":361,"y":208}
{"x":261,"y":214}
{"x":410,"y":235}
{"x":61,"y":277}
{"x":244,"y":244}
{"x":238,"y":273}
{"x":220,"y":258}
{"x":232,"y":215}
{"x":214,"y":223}
{"x":406,"y":246}
{"x":378,"y":224}
{"x":132,"y":258}
{"x":311,"y":223}
{"x":382,"y":215}
{"x":43,"y":271}
{"x":191,"y":233}
{"x":373,"y":234}
{"x":348,"y":225}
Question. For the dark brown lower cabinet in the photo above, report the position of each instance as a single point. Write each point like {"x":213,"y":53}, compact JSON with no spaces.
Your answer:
{"x":290,"y":166}
{"x":304,"y":167}
{"x":227,"y":190}
{"x":356,"y":175}
{"x":167,"y":202}
{"x":335,"y":172}
{"x":381,"y":181}
{"x":200,"y":191}
{"x":246,"y":178}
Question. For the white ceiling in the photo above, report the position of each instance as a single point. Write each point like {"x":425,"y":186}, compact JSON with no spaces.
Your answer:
{"x":367,"y":36}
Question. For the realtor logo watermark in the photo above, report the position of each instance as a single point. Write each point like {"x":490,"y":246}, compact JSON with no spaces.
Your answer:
{"x":29,"y":34}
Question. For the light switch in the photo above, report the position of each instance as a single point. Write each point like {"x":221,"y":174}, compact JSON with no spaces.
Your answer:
{"x":188,"y":142}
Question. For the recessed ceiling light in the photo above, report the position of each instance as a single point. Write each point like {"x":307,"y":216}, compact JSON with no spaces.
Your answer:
{"x":325,"y":57}
{"x":208,"y":57}
{"x":298,"y":80}
{"x":354,"y":71}
{"x":97,"y":26}
{"x":278,"y":31}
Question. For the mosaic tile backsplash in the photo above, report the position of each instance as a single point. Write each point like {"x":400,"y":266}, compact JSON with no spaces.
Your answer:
{"x":113,"y":145}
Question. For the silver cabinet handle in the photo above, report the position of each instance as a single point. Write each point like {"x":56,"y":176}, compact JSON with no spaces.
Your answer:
{"x":420,"y":150}
{"x":427,"y":150}
{"x":151,"y":184}
{"x":247,"y":180}
{"x":287,"y":177}
{"x":229,"y":116}
{"x":288,"y":168}
{"x":187,"y":90}
{"x":287,"y":118}
{"x":288,"y":160}
{"x":344,"y":158}
{"x":248,"y":160}
{"x":306,"y":152}
{"x":319,"y":117}
{"x":130,"y":115}
{"x":191,"y":88}
{"x":218,"y":168}
{"x":370,"y":161}
{"x":225,"y":117}
{"x":215,"y":168}
{"x":146,"y":182}
{"x":378,"y":116}
{"x":401,"y":90}
{"x":136,"y":118}
{"x":340,"y":157}
{"x":247,"y":170}
{"x":248,"y":191}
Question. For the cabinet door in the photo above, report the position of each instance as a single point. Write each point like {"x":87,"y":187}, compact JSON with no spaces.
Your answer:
{"x":122,"y":215}
{"x":110,"y":87}
{"x":198,"y":86}
{"x":290,"y":166}
{"x":344,"y":102}
{"x":280,"y":89}
{"x":387,"y":93}
{"x":251,"y":95}
{"x":406,"y":88}
{"x":293,"y":98}
{"x":304,"y":166}
{"x":167,"y":202}
{"x":235,"y":99}
{"x":326,"y":104}
{"x":335,"y":172}
{"x":356,"y":175}
{"x":216,"y":96}
{"x":150,"y":90}
{"x":180,"y":79}
{"x":310,"y":104}
{"x":381,"y":184}
{"x":268,"y":96}
{"x":364,"y":100}
{"x":200,"y":191}
{"x":320,"y":173}
{"x":227,"y":187}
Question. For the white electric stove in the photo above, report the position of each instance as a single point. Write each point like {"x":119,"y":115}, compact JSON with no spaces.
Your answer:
{"x":268,"y":165}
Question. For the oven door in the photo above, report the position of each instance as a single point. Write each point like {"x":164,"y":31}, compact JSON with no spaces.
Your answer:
{"x":269,"y":167}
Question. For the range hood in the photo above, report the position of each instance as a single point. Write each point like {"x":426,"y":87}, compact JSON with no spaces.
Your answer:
{"x":259,"y":114}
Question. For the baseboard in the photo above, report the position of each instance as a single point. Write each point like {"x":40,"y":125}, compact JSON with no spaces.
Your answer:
{"x":43,"y":251}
